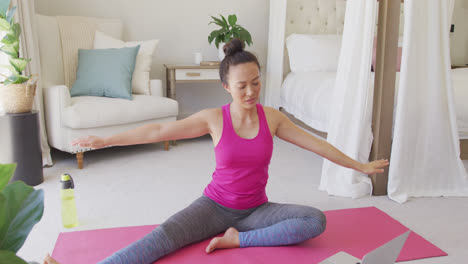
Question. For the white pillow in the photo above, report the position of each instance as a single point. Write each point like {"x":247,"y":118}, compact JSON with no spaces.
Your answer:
{"x":140,"y":79}
{"x":313,"y":52}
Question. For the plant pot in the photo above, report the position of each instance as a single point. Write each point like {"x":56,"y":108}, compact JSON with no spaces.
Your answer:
{"x":18,"y":98}
{"x":221,"y":51}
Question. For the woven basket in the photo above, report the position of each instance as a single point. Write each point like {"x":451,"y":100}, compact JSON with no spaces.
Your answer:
{"x":18,"y":98}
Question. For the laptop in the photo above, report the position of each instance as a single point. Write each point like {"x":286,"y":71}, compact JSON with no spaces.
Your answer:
{"x":385,"y":254}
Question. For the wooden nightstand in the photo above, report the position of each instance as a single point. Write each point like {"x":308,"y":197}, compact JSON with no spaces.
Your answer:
{"x":188,"y":74}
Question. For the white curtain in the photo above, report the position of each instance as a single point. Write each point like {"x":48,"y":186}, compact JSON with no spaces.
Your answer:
{"x":274,"y":67}
{"x":425,"y":159}
{"x":30,"y":49}
{"x":351,"y":107}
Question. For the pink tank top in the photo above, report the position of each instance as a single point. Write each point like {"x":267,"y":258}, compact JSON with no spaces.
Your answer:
{"x":241,"y":173}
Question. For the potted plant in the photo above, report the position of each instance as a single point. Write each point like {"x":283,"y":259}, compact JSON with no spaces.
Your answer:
{"x":229,"y":29}
{"x":16,"y":90}
{"x":21,"y":207}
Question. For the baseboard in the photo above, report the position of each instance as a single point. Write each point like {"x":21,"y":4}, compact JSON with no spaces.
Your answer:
{"x":303,"y":125}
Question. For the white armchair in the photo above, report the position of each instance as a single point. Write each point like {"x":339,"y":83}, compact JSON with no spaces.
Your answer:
{"x":68,"y":118}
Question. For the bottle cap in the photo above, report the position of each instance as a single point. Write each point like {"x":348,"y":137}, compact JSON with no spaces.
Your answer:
{"x":67,"y":181}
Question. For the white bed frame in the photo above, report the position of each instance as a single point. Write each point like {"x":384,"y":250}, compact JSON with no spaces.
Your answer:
{"x":301,"y":17}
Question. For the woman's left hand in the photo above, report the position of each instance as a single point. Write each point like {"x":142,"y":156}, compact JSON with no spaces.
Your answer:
{"x":374,"y":167}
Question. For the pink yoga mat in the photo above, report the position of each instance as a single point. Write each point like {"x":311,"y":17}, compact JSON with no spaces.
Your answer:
{"x":355,"y":231}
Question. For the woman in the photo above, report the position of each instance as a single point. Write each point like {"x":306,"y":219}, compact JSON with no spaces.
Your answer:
{"x":235,"y":200}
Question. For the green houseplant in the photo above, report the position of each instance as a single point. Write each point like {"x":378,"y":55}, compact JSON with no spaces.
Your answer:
{"x":21,"y":207}
{"x":228,"y":30}
{"x":16,"y":90}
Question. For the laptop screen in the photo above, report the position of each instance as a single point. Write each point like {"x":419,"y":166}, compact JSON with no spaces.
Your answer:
{"x":387,"y":253}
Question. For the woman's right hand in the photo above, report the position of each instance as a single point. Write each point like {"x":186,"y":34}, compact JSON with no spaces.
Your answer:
{"x":89,"y":141}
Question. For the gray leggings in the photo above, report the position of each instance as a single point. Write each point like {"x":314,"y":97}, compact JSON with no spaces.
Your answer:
{"x":205,"y":218}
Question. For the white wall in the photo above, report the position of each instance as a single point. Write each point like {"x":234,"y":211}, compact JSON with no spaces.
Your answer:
{"x":459,"y":39}
{"x":182,"y":27}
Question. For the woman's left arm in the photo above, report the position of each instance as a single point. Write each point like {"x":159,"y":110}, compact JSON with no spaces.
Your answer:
{"x":291,"y":133}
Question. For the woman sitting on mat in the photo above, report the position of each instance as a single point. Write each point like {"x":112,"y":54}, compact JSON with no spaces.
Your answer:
{"x":235,"y":200}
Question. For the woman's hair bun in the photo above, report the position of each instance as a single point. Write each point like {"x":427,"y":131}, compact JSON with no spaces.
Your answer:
{"x":234,"y":46}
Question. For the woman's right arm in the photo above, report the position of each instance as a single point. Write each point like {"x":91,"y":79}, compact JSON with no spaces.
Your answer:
{"x":193,"y":126}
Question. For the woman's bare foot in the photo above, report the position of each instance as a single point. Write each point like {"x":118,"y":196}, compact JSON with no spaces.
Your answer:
{"x":229,"y":240}
{"x":49,"y":260}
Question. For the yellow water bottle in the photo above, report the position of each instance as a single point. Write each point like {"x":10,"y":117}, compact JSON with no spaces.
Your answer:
{"x":67,"y":193}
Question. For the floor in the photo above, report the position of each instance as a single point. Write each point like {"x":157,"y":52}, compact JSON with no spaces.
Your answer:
{"x":142,"y":185}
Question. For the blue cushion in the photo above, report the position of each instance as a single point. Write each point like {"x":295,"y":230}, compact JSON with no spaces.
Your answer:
{"x":105,"y":72}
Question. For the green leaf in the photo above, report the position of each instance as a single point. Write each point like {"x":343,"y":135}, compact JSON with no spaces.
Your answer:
{"x":217,"y":41}
{"x":214,"y":34}
{"x":213,"y":22}
{"x":6,"y":172}
{"x":9,"y":50}
{"x":16,"y":48}
{"x":17,"y":30}
{"x":7,"y":40}
{"x":235,"y":33}
{"x":11,"y":36}
{"x":22,"y":79}
{"x":220,"y":36}
{"x":19,"y":64}
{"x":16,"y":79}
{"x":25,"y":220}
{"x":4,"y":25}
{"x":7,"y":82}
{"x":25,"y":207}
{"x":14,"y":194}
{"x":4,"y":4}
{"x":227,"y":38}
{"x":218,"y":22}
{"x":10,"y":68}
{"x":232,"y":19}
{"x":3,"y":211}
{"x":11,"y":79}
{"x":245,"y":36}
{"x":10,"y":258}
{"x":226,"y":25}
{"x":10,"y":14}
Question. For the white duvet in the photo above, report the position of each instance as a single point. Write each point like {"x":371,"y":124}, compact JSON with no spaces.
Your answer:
{"x":307,"y":96}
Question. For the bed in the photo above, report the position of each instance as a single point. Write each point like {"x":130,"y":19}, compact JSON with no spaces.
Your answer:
{"x":305,"y":95}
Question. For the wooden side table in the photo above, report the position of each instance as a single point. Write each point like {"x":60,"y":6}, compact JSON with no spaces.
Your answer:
{"x":188,"y":74}
{"x":21,"y":144}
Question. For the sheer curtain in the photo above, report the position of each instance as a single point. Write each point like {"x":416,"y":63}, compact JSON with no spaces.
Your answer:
{"x":29,"y":49}
{"x":274,"y":67}
{"x":425,"y":158}
{"x":351,"y":108}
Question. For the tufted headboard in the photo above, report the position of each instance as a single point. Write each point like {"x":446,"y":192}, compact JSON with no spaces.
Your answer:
{"x":317,"y":17}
